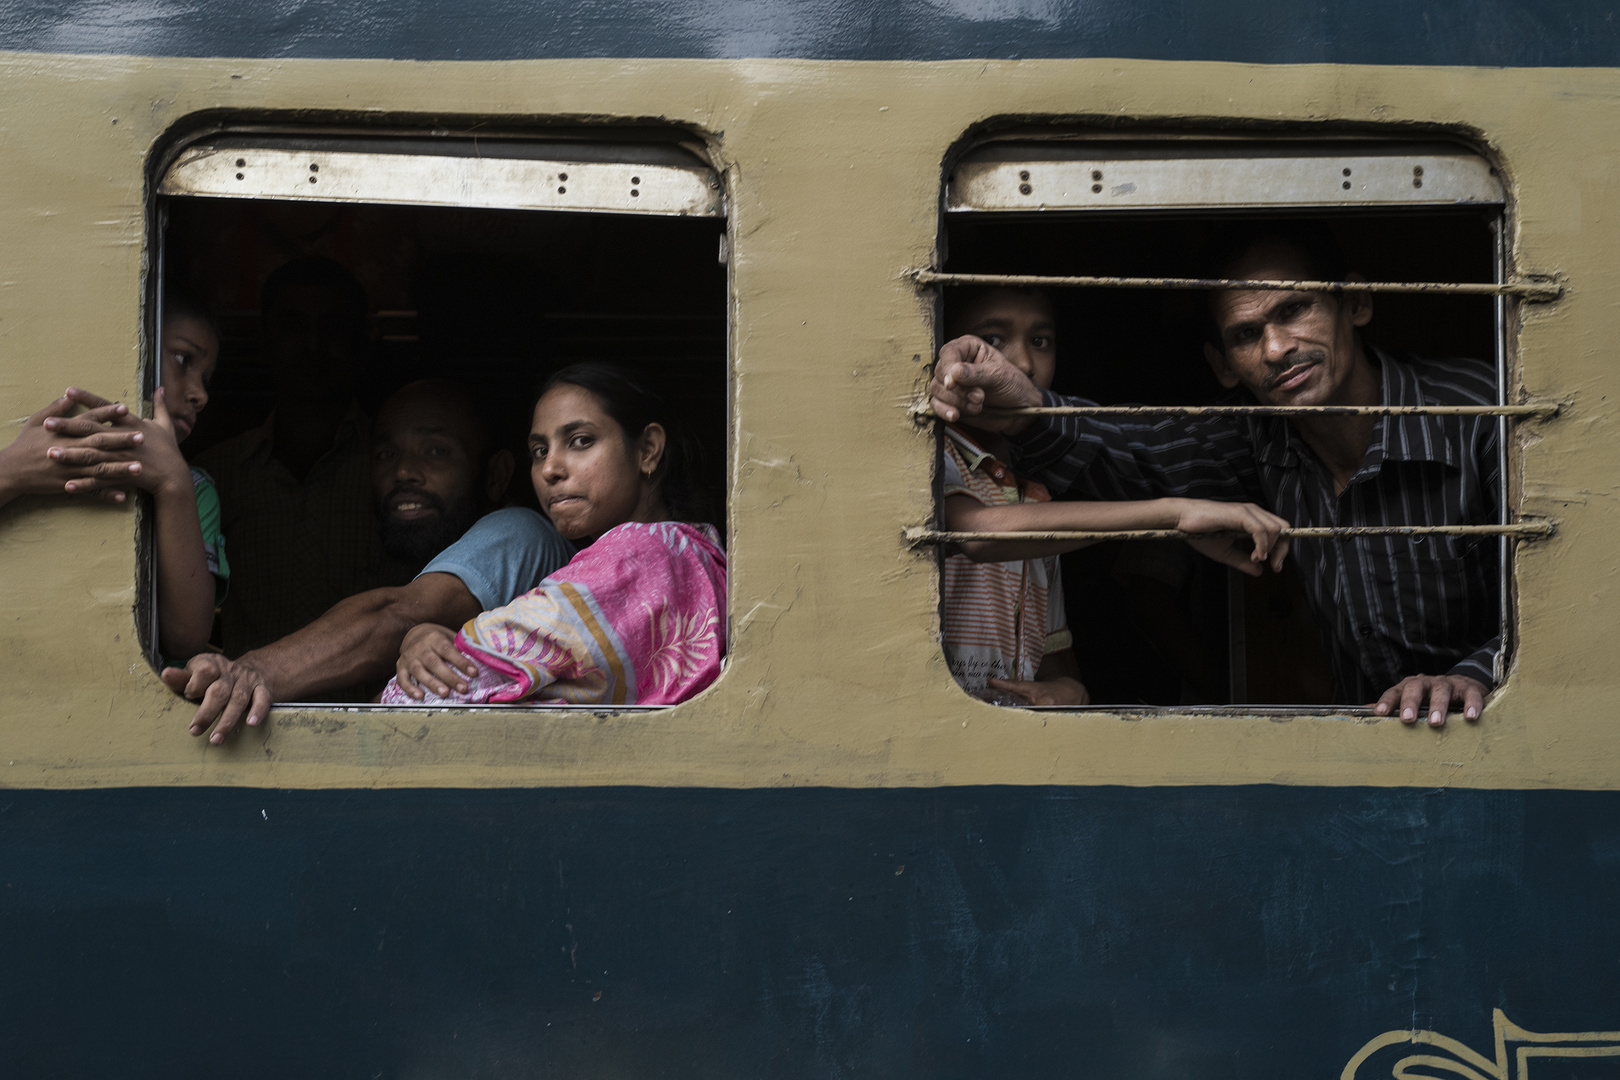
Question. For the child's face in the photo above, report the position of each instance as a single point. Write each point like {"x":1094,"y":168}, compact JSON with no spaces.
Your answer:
{"x":1019,"y":325}
{"x":587,"y":473}
{"x":190,"y":351}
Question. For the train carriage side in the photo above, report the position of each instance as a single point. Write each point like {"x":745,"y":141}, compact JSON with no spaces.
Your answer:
{"x":833,"y":860}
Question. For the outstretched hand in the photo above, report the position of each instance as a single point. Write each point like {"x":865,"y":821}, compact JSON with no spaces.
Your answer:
{"x":230,"y":691}
{"x":1261,"y":545}
{"x":1443,"y":692}
{"x":972,"y":376}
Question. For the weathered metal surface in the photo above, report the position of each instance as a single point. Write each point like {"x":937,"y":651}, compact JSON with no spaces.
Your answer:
{"x":1534,"y":291}
{"x":1098,"y":176}
{"x":427,"y":180}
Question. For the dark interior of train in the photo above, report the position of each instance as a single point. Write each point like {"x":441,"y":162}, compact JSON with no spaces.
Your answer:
{"x":1167,"y":636}
{"x":500,"y":298}
{"x":493,"y":298}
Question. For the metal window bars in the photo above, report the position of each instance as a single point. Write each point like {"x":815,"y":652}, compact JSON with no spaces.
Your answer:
{"x":1544,"y":410}
{"x":1521,"y":530}
{"x":1529,"y":290}
{"x":1534,"y":290}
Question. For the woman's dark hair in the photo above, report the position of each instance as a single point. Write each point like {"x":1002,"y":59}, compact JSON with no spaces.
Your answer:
{"x":634,"y":401}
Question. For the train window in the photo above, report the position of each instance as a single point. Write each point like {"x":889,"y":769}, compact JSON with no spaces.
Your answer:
{"x":487,"y":261}
{"x":1111,"y":242}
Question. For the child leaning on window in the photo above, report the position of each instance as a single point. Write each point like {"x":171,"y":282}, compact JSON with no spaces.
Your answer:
{"x":1004,"y":629}
{"x":107,"y":449}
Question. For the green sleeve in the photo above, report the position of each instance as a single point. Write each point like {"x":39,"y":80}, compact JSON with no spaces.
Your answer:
{"x":213,"y":540}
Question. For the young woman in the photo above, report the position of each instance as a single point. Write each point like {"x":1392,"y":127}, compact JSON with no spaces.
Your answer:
{"x":107,"y":450}
{"x":639,"y":616}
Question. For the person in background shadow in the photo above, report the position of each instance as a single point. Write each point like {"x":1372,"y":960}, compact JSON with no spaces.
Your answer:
{"x":295,"y":492}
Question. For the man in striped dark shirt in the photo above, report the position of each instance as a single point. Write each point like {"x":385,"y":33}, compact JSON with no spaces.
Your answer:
{"x":1407,"y":621}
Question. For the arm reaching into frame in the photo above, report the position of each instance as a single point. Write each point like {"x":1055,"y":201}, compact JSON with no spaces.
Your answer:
{"x":32,"y":465}
{"x":357,"y":641}
{"x":1258,"y":527}
{"x":105,"y":451}
{"x":971,"y":376}
{"x":148,"y":459}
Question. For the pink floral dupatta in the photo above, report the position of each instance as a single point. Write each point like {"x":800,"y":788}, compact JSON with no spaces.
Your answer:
{"x":639,"y":617}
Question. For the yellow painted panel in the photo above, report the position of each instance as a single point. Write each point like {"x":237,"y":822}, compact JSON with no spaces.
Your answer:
{"x":835,"y":678}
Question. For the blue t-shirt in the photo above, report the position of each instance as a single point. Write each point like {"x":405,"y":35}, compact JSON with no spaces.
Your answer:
{"x":507,"y":553}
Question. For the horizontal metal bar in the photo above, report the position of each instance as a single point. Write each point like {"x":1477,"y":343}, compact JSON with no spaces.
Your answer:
{"x":1546,"y":410}
{"x":1524,"y":530}
{"x":1533,"y":291}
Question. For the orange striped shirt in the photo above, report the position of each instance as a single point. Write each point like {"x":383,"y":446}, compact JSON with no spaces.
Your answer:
{"x":999,"y":619}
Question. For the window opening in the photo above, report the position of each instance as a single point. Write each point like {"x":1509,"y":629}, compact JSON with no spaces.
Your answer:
{"x":490,"y":262}
{"x":1110,"y":230}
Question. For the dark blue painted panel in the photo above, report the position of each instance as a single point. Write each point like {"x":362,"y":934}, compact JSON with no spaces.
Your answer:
{"x":1175,"y":932}
{"x":1486,"y":32}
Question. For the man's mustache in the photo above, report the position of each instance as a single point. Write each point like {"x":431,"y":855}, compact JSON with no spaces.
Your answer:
{"x":1276,"y":372}
{"x":416,"y":493}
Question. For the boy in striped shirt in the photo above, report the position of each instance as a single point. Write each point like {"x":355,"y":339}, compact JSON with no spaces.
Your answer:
{"x":1004,"y":628}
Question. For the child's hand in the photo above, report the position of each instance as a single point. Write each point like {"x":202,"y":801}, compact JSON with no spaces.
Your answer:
{"x":110,"y":447}
{"x":1263,"y":528}
{"x":429,"y":660}
{"x":1060,"y":691}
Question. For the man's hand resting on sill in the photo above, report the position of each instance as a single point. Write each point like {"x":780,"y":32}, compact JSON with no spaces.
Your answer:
{"x":230,"y":691}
